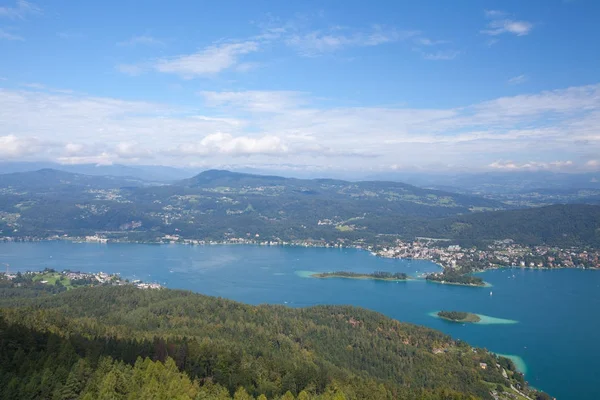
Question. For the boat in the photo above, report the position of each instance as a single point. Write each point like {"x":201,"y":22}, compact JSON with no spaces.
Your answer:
{"x":490,"y":293}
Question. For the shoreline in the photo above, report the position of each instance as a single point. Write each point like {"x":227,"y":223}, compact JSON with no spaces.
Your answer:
{"x":291,"y":244}
{"x":481,"y":271}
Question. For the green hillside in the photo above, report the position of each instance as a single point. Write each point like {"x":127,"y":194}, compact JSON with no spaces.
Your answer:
{"x":556,"y":225}
{"x":215,"y":205}
{"x":122,"y":342}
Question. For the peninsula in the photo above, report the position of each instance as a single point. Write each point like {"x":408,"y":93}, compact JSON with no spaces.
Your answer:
{"x":459,"y":316}
{"x":377,"y":275}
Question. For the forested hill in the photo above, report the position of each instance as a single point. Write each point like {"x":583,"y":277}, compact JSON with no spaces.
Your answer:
{"x":215,"y":205}
{"x":332,"y":189}
{"x":84,"y":343}
{"x":561,"y":225}
{"x":219,"y":205}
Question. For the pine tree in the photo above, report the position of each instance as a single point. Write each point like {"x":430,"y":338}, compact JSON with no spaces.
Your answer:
{"x":241,"y":394}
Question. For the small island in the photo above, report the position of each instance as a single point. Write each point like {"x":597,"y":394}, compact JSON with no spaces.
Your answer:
{"x":459,"y":316}
{"x":454,"y":278}
{"x":377,"y":275}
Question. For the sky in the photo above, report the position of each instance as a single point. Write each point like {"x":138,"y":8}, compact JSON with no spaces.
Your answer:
{"x":305,"y":85}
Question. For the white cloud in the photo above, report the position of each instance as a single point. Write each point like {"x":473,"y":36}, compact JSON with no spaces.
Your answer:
{"x":34,"y":85}
{"x":494,"y":13}
{"x":571,"y":101}
{"x":224,"y":143}
{"x":424,"y":45}
{"x":517,"y":80}
{"x":72,"y":149}
{"x":9,"y":36}
{"x":247,"y":66}
{"x":132,"y":150}
{"x":100,"y":159}
{"x":318,"y":42}
{"x":519,"y":28}
{"x":441,"y":55}
{"x":292,"y":127}
{"x":531,"y":165}
{"x":499,"y":25}
{"x":208,"y":61}
{"x":144,"y":40}
{"x":423,"y":41}
{"x":593,"y":164}
{"x":20,"y":10}
{"x":255,"y":101}
{"x":12,"y":146}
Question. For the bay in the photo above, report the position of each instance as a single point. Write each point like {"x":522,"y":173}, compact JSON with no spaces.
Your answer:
{"x":547,"y":320}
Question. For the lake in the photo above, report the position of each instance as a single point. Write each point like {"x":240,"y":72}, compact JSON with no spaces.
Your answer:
{"x":554,"y":314}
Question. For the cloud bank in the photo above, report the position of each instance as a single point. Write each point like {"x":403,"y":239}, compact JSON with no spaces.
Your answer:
{"x":555,"y":129}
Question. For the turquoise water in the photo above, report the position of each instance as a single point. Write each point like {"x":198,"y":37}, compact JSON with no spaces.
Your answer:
{"x":555,"y":337}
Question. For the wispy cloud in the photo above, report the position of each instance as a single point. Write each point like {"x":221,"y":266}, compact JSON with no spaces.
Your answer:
{"x":532,"y":165}
{"x":233,"y":54}
{"x":34,"y":85}
{"x":441,"y":55}
{"x":424,"y":46}
{"x":208,"y":61}
{"x":494,"y":13}
{"x":20,"y":10}
{"x":423,"y":41}
{"x":499,"y":24}
{"x":517,"y":80}
{"x":143,"y":40}
{"x":256,"y":101}
{"x":130,"y":69}
{"x":319,"y":42}
{"x":9,"y":36}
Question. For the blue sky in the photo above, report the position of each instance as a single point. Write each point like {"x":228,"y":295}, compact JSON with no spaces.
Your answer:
{"x":353,"y":85}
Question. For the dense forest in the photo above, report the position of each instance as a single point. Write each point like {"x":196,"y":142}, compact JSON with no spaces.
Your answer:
{"x":123,"y":342}
{"x":459,"y":316}
{"x":452,"y":276}
{"x":561,"y":225}
{"x":558,"y":225}
{"x":378,"y":275}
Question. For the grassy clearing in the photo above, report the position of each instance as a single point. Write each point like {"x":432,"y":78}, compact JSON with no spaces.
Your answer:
{"x":52,"y":277}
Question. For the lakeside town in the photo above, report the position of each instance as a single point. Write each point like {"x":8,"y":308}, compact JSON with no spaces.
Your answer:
{"x":501,"y":253}
{"x":70,"y":279}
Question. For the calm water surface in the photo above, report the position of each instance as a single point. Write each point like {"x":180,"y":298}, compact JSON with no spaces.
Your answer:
{"x":557,"y":311}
